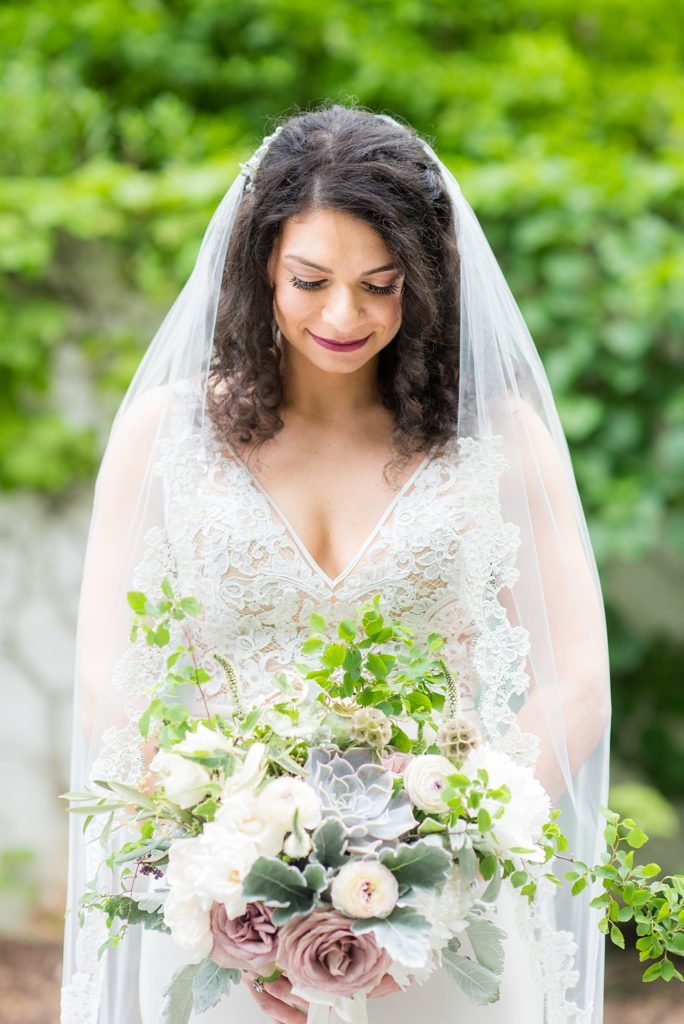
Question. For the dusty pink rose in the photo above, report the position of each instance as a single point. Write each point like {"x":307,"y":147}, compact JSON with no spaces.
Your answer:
{"x":396,"y":763}
{"x":247,"y":942}
{"x":320,"y":951}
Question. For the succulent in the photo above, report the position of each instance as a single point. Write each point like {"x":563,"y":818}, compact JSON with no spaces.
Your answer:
{"x":370,"y":727}
{"x":358,"y":793}
{"x":457,"y":737}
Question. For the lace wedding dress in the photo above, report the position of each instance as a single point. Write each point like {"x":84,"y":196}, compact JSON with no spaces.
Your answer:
{"x":439,"y":555}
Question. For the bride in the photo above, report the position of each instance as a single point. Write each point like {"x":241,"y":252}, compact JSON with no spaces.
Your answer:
{"x":344,"y":400}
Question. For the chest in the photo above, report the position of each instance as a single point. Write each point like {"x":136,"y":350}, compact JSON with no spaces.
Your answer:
{"x":330,"y":495}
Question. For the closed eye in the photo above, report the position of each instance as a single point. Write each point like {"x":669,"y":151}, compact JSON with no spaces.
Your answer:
{"x":374,"y":288}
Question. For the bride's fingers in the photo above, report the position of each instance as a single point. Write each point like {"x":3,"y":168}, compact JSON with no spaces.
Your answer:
{"x":282,"y":989}
{"x":277,"y":1010}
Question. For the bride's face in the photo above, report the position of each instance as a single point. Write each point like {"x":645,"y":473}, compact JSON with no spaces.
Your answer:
{"x":337,"y":295}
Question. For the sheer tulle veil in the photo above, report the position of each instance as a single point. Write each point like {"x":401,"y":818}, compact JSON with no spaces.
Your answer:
{"x":544,"y":684}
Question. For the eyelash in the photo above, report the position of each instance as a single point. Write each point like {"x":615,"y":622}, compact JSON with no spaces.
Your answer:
{"x":313,"y":285}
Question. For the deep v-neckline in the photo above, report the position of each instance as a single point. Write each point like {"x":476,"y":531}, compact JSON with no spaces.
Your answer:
{"x":330,"y":581}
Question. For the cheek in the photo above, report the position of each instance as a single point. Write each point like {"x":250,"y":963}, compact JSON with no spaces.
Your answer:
{"x":294,"y":303}
{"x":394,"y":309}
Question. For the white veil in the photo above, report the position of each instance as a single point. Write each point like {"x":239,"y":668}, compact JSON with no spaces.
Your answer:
{"x":541,"y":657}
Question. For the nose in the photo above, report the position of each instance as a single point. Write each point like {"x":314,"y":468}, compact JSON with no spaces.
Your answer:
{"x":342,"y":310}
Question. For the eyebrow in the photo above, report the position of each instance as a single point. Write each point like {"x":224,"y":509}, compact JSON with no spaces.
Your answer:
{"x":326,"y":270}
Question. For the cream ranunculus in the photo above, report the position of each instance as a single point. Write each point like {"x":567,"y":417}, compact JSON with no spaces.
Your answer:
{"x":364,"y":888}
{"x":185,"y":782}
{"x":424,"y":780}
{"x":279,"y":799}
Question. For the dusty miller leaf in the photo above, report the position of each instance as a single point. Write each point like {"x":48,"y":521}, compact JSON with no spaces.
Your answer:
{"x":177,"y":1005}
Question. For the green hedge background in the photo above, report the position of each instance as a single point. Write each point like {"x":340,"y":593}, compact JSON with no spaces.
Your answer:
{"x":122,"y":124}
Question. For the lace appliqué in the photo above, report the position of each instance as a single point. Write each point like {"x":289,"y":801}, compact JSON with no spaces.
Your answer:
{"x":552,"y":959}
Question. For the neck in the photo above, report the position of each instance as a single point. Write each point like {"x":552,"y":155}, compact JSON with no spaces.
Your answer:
{"x":318,"y":395}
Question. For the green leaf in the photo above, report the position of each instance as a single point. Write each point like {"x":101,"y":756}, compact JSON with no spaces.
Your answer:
{"x":317,"y":623}
{"x":211,"y":983}
{"x":616,"y":936}
{"x":488,"y":866}
{"x":167,"y":589}
{"x":333,"y":656}
{"x":479,"y":983}
{"x":484,"y":822}
{"x":404,"y":934}
{"x":400,"y":740}
{"x":492,"y":891}
{"x":487,"y":941}
{"x":137,"y":601}
{"x":677,"y":882}
{"x":148,"y":914}
{"x":190,"y":605}
{"x":346,"y":629}
{"x":274,"y":882}
{"x":281,"y":886}
{"x":636,"y":838}
{"x":420,"y":865}
{"x":178,"y":997}
{"x":653,"y":972}
{"x":316,"y":878}
{"x":312,"y":645}
{"x":329,"y":843}
{"x":430,"y":826}
{"x":376,"y":666}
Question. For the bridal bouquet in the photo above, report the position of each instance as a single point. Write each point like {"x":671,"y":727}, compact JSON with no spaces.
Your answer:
{"x":352,"y":825}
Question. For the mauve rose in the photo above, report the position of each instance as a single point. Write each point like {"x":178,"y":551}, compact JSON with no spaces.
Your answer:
{"x":320,"y":951}
{"x":247,"y":942}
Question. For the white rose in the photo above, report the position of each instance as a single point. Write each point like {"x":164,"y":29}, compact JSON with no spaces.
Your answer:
{"x":364,"y":888}
{"x":297,"y":846}
{"x":238,"y":812}
{"x":279,"y":800}
{"x":212,"y":867}
{"x":185,"y":782}
{"x":203,"y":739}
{"x":190,"y":925}
{"x":528,"y":809}
{"x":424,"y":781}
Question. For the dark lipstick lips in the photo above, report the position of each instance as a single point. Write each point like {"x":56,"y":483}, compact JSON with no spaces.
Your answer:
{"x":340,"y":346}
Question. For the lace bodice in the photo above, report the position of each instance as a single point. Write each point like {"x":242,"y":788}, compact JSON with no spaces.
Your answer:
{"x":439,"y":556}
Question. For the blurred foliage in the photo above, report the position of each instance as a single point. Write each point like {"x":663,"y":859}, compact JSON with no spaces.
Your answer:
{"x":123,"y":122}
{"x":19,"y":889}
{"x":656,"y":816}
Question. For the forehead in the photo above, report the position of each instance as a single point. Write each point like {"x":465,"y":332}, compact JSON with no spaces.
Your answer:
{"x":330,"y":233}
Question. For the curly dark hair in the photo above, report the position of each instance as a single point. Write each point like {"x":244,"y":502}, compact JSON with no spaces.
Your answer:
{"x":349,"y":159}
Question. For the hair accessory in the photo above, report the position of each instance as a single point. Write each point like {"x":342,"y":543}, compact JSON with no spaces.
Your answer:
{"x":249,"y":168}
